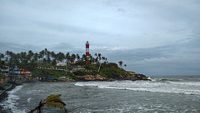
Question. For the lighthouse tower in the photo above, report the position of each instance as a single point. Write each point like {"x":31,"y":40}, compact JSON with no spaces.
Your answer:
{"x":87,"y":52}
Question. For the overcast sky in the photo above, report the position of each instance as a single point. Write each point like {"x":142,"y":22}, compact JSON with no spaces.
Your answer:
{"x":154,"y":37}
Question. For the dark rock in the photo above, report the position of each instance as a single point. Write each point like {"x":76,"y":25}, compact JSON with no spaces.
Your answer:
{"x":91,"y":78}
{"x":141,"y":77}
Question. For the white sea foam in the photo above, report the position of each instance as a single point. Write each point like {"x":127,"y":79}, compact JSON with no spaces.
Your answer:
{"x":151,"y":86}
{"x":11,"y":101}
{"x":28,"y":100}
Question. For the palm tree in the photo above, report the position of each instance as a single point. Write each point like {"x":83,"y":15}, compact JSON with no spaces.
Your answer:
{"x":54,"y":62}
{"x":95,"y":54}
{"x":106,"y":60}
{"x":67,"y":56}
{"x":73,"y":57}
{"x":78,"y":57}
{"x":60,"y":56}
{"x":125,"y":65}
{"x":120,"y":63}
{"x":41,"y":54}
{"x":52,"y":54}
{"x":30,"y":55}
{"x":35,"y":57}
{"x":83,"y":57}
{"x":45,"y":51}
{"x":99,"y":56}
{"x":1,"y":57}
{"x":103,"y":58}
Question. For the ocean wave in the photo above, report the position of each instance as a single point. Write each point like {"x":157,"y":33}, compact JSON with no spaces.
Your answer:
{"x":11,"y":101}
{"x":167,"y":79}
{"x":150,"y":86}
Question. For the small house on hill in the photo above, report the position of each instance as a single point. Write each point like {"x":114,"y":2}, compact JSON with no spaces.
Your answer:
{"x":14,"y":71}
{"x":25,"y":73}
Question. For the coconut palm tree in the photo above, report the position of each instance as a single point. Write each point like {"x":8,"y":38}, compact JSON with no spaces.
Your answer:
{"x":1,"y":55}
{"x":125,"y":66}
{"x":77,"y":57}
{"x":120,"y":63}
{"x":67,"y":56}
{"x":73,"y":57}
{"x":95,"y":54}
{"x":53,"y":55}
{"x":99,"y":56}
{"x":60,"y":56}
{"x":83,"y":57}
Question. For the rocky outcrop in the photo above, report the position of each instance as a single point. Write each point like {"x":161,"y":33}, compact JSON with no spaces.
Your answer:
{"x":141,"y":77}
{"x":92,"y":78}
{"x":101,"y":78}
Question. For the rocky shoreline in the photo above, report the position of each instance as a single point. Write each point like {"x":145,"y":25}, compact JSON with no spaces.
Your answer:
{"x":3,"y":93}
{"x":11,"y":85}
{"x":102,"y":78}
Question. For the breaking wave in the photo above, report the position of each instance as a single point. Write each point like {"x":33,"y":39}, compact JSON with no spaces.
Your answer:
{"x":11,"y":101}
{"x":162,"y":86}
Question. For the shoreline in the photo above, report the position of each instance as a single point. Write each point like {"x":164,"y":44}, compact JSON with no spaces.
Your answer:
{"x":11,"y":85}
{"x":4,"y":110}
{"x":4,"y":94}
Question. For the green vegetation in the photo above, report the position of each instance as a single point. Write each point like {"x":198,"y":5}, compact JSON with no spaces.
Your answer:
{"x":48,"y":72}
{"x":107,"y":70}
{"x":45,"y":64}
{"x":112,"y":71}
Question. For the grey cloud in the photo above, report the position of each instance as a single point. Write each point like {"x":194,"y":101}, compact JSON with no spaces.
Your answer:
{"x":64,"y":28}
{"x":151,"y":36}
{"x":180,"y":58}
{"x":64,"y":47}
{"x":4,"y":46}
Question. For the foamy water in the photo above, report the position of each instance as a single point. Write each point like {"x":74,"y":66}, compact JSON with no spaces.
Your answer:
{"x":96,"y":97}
{"x":181,"y":87}
{"x":11,"y":101}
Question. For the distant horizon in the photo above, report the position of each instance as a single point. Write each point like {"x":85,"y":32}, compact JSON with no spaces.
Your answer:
{"x":197,"y":75}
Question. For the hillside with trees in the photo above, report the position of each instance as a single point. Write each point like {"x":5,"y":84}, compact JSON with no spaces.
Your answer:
{"x":50,"y":65}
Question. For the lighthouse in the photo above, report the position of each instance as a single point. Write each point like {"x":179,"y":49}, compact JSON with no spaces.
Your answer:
{"x":87,"y":52}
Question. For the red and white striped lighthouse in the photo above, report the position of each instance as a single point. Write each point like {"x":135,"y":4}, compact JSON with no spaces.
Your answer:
{"x":87,"y":52}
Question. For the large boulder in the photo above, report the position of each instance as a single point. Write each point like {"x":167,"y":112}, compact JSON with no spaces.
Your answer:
{"x":141,"y":77}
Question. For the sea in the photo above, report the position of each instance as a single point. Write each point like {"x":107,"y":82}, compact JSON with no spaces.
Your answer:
{"x":174,"y":94}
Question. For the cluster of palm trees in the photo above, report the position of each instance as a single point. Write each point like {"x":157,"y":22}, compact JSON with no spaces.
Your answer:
{"x":100,"y":58}
{"x":45,"y":57}
{"x":121,"y":64}
{"x":32,"y":59}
